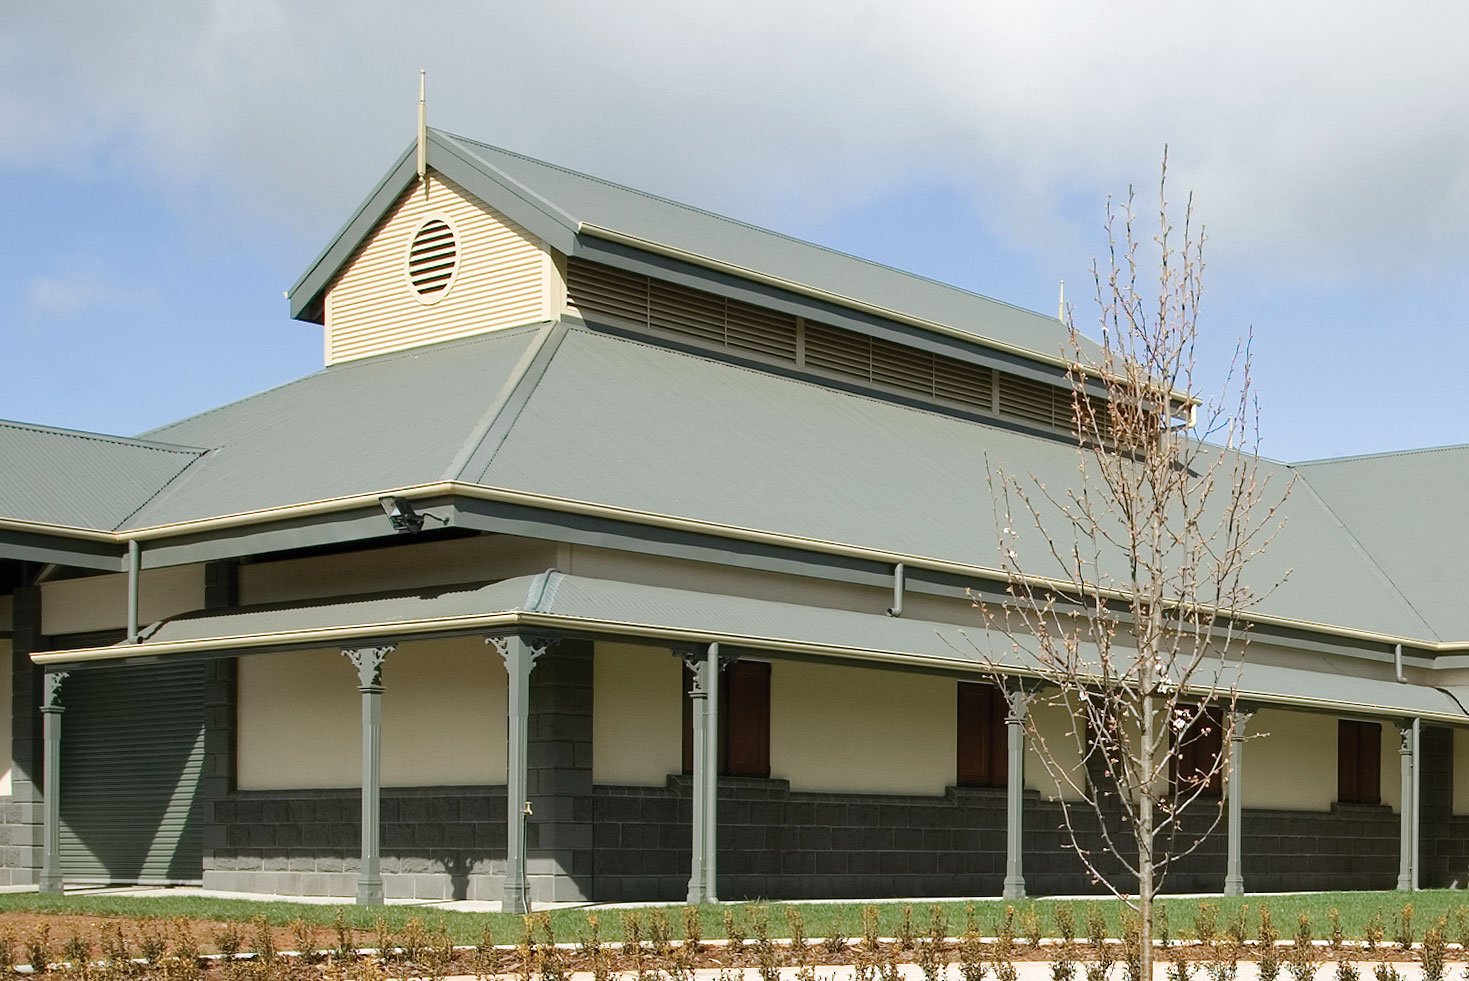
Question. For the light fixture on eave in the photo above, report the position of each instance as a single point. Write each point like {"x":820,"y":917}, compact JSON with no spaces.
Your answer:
{"x":401,"y":515}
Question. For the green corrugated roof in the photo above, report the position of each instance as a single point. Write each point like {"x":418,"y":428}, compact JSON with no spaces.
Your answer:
{"x":646,"y":428}
{"x":1408,"y":512}
{"x":593,"y":201}
{"x":353,"y":428}
{"x":83,"y":480}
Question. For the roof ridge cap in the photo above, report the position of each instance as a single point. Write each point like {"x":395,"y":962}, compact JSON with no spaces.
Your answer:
{"x":1384,"y":455}
{"x":753,"y":227}
{"x":484,"y":441}
{"x":105,"y":437}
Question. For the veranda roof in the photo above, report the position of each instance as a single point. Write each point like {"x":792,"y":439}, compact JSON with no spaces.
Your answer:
{"x":556,"y":603}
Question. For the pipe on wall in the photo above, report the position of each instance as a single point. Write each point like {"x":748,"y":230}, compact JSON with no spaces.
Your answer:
{"x":899,"y":584}
{"x":135,"y":565}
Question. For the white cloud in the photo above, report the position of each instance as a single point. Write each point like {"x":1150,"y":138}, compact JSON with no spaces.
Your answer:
{"x":79,"y":285}
{"x":1319,"y":138}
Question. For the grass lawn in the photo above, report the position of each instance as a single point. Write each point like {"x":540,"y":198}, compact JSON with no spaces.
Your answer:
{"x":820,"y":919}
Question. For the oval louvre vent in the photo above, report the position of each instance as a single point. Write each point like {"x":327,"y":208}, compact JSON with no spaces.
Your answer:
{"x":433,"y":257}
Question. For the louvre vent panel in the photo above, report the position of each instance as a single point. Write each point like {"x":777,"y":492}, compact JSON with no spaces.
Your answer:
{"x":1035,"y":401}
{"x":839,"y":351}
{"x":761,"y":331}
{"x":596,"y":289}
{"x":960,"y":381}
{"x":902,"y":367}
{"x":686,"y":311}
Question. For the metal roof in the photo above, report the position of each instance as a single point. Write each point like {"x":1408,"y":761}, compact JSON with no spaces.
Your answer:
{"x":655,"y":430}
{"x":1406,"y":510}
{"x":352,"y":428}
{"x":82,"y":480}
{"x":555,"y":601}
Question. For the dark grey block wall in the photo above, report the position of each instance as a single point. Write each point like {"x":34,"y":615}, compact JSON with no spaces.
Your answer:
{"x":437,"y":842}
{"x":20,"y":813}
{"x":559,"y":760}
{"x":776,"y":843}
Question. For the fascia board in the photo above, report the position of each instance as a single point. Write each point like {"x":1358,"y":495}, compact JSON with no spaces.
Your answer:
{"x":537,"y":214}
{"x":306,"y":293}
{"x":83,"y":552}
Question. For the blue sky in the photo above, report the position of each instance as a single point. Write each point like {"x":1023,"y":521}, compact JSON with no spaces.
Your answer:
{"x":171,"y":169}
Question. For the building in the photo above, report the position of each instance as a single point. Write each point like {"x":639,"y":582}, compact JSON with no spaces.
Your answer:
{"x":576,"y":452}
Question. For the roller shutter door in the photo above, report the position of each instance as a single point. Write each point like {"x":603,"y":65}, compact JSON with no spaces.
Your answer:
{"x":132,"y":757}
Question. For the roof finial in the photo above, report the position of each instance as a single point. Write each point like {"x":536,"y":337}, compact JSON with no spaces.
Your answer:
{"x":423,"y":129}
{"x":1061,"y":304}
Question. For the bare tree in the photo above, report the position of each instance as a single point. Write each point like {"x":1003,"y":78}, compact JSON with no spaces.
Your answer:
{"x":1126,"y":595}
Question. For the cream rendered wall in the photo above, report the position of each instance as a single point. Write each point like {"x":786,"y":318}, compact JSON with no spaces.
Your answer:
{"x":861,"y":730}
{"x":100,"y":602}
{"x":7,"y":682}
{"x":300,"y":723}
{"x":1057,"y":726}
{"x":505,"y":277}
{"x":484,"y":557}
{"x":1461,"y":771}
{"x":1290,"y":761}
{"x":637,"y":715}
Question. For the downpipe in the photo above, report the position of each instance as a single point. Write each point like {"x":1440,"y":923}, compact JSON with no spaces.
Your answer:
{"x":135,"y":566}
{"x":900,"y":577}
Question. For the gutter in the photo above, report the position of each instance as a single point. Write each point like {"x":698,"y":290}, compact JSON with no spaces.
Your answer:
{"x":329,"y":636}
{"x":450,"y":488}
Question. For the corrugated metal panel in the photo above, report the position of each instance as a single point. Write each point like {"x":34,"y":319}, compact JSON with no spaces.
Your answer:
{"x":132,"y":758}
{"x":363,"y":426}
{"x":498,"y":278}
{"x":81,"y":479}
{"x":602,"y":203}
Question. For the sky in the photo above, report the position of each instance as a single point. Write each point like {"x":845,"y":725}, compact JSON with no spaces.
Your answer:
{"x":173,"y":167}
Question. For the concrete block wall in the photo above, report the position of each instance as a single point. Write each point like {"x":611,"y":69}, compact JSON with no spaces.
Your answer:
{"x":20,"y":813}
{"x":437,"y":842}
{"x":776,"y":843}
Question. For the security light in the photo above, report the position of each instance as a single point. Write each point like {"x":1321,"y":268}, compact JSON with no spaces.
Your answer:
{"x":400,"y":512}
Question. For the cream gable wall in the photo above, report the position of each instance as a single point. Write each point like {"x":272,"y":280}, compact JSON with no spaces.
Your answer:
{"x":505,"y":277}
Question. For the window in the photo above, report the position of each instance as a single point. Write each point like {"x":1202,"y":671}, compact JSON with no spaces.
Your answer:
{"x":981,"y":758}
{"x":1198,"y":750}
{"x":1358,"y":762}
{"x":744,"y":720}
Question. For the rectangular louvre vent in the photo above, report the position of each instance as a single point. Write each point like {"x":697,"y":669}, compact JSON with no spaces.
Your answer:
{"x":602,"y":291}
{"x":840,"y":352}
{"x":1033,"y":401}
{"x":968,"y":384}
{"x":595,"y":289}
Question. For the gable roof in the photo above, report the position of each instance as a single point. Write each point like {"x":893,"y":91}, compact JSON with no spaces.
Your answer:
{"x":82,"y":480}
{"x":563,"y":207}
